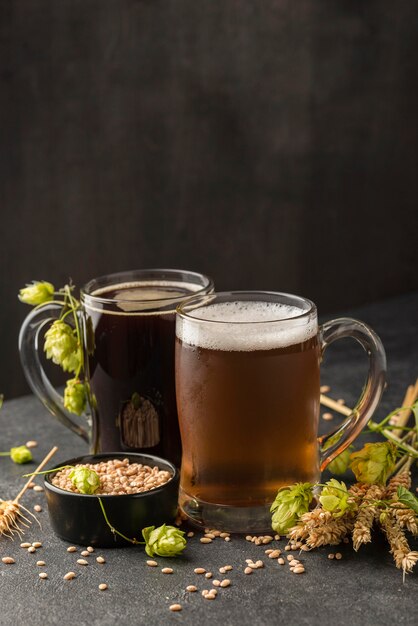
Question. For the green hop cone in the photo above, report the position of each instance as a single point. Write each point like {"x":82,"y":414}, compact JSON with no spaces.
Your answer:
{"x":341,"y":463}
{"x":290,"y":503}
{"x":383,"y":517}
{"x":38,"y":292}
{"x":85,"y":480}
{"x":374,"y":462}
{"x":21,"y":454}
{"x":62,"y":347}
{"x":164,"y":540}
{"x":335,"y":498}
{"x":75,"y":396}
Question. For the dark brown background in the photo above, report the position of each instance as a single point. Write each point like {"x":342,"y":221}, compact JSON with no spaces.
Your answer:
{"x":270,"y":144}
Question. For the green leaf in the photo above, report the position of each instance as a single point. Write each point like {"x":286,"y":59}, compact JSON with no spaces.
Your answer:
{"x":407,"y":498}
{"x":415,"y":412}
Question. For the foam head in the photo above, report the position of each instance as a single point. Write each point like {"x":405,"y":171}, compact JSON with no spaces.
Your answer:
{"x":146,"y":296}
{"x":246,"y":326}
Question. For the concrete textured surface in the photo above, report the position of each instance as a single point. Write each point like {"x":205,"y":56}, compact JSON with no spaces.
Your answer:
{"x":363,"y":588}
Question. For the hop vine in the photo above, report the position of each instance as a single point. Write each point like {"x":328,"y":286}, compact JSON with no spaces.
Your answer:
{"x":63,"y":340}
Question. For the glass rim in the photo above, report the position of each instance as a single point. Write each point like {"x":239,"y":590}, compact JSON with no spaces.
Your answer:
{"x":167,"y":274}
{"x":189,"y":301}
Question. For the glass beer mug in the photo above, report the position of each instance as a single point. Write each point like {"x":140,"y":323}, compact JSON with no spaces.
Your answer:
{"x":129,"y":362}
{"x":248,"y":392}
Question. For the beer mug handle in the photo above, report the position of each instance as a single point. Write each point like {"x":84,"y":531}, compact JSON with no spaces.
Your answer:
{"x":333,"y":444}
{"x":38,"y":381}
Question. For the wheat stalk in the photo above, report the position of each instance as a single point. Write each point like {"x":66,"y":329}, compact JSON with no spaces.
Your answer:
{"x":12,"y":520}
{"x":362,"y":531}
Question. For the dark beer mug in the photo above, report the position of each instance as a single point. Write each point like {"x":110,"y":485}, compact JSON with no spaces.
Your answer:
{"x":248,"y":392}
{"x":129,"y":360}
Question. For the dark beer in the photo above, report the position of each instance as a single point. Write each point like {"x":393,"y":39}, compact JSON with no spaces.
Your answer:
{"x":131,"y":367}
{"x":248,"y":402}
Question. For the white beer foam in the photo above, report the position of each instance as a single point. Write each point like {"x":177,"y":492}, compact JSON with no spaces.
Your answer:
{"x":257,"y":330}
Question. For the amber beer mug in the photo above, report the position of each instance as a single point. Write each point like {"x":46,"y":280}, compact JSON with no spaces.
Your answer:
{"x":247,"y":387}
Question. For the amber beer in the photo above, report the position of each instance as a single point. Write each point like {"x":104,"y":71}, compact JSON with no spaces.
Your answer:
{"x":248,"y":400}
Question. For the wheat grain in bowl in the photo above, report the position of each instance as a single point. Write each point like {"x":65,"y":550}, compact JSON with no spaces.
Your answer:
{"x":117,"y":477}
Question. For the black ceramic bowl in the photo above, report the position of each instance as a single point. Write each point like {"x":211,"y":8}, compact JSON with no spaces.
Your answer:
{"x":79,"y":519}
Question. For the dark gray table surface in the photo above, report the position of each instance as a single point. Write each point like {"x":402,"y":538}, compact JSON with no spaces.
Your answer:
{"x":363,"y":588}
